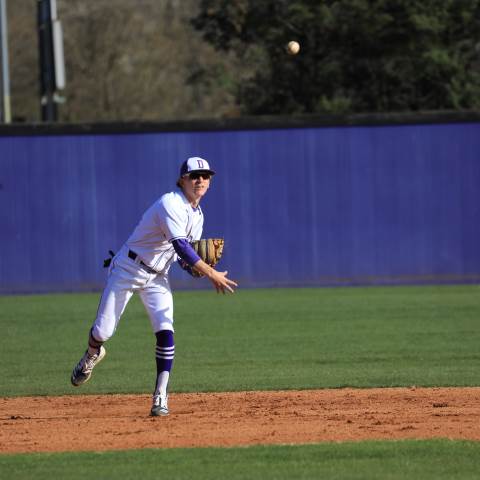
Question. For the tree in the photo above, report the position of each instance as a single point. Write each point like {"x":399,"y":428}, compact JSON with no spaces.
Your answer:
{"x":125,"y":60}
{"x":356,"y":55}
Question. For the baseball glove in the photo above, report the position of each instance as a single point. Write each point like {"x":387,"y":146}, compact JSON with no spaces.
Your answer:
{"x":210,"y":250}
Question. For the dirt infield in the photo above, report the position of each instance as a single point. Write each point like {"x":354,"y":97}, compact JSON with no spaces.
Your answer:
{"x":112,"y":422}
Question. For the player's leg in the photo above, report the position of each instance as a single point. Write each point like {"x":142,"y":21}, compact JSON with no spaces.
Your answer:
{"x":119,"y":289}
{"x":164,"y":355}
{"x":158,"y":301}
{"x":112,"y":305}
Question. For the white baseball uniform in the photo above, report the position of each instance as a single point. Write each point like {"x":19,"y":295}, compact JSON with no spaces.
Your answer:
{"x":143,"y":263}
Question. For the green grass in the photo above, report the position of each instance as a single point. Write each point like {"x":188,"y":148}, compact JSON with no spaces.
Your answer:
{"x":436,"y":460}
{"x":255,"y":339}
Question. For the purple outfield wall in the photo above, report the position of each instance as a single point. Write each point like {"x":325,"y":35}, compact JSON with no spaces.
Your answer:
{"x":297,"y":205}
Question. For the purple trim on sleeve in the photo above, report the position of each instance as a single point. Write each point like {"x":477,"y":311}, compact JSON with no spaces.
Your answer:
{"x":183,"y":265}
{"x":185,"y":251}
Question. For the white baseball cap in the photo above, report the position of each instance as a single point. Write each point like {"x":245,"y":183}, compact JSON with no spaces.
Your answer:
{"x":195,"y":164}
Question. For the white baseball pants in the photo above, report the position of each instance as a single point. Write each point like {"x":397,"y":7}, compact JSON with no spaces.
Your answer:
{"x":125,"y":278}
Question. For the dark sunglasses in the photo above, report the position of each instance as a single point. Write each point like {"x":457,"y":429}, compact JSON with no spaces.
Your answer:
{"x":197,"y":175}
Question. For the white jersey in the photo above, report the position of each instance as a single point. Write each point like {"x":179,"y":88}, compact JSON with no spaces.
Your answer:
{"x":170,"y":218}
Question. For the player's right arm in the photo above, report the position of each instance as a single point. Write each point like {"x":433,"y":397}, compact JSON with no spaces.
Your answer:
{"x":173,"y":221}
{"x":219,"y":279}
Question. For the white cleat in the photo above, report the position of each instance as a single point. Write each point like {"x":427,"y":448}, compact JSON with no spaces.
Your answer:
{"x":159,"y":406}
{"x":83,"y":371}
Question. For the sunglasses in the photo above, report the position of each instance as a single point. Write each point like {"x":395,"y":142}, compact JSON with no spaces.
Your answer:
{"x":197,"y":175}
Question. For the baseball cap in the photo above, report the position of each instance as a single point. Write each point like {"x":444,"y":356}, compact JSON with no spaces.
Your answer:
{"x":195,"y":164}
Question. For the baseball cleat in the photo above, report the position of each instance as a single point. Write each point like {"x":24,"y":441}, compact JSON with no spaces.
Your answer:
{"x":83,"y":371}
{"x":160,"y":406}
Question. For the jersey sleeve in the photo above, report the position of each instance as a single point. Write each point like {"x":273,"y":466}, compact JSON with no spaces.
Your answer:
{"x":185,"y":251}
{"x":173,"y":218}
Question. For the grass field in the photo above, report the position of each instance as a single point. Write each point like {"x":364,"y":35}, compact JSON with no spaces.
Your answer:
{"x":256,"y":340}
{"x":426,"y":460}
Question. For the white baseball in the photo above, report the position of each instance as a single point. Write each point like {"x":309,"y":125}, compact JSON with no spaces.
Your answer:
{"x":293,"y":47}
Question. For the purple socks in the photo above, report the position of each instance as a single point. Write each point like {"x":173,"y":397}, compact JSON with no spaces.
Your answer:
{"x":164,"y":354}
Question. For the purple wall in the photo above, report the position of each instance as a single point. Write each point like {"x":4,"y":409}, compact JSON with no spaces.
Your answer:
{"x":299,"y":206}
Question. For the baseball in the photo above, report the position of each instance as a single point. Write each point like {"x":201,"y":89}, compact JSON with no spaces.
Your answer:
{"x":293,"y":47}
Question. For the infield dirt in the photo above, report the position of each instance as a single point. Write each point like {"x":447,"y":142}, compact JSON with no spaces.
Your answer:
{"x":113,"y":422}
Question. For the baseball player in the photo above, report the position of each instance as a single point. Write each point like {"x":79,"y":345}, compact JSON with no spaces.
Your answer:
{"x":163,"y":235}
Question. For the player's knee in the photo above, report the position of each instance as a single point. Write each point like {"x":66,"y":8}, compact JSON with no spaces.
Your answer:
{"x":102,"y":334}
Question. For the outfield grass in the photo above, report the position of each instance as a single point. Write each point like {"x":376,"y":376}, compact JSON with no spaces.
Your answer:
{"x":255,"y":339}
{"x":435,"y":460}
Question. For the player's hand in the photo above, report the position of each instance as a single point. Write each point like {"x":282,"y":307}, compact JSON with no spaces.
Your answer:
{"x":222,"y":283}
